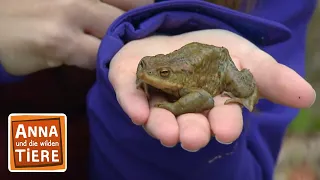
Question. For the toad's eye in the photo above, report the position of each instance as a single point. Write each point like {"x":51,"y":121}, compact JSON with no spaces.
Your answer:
{"x":164,"y":73}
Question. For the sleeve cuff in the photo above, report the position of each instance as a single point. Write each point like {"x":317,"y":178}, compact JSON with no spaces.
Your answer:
{"x":6,"y":78}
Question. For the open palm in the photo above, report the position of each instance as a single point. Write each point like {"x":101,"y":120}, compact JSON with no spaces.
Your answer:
{"x":276,"y":82}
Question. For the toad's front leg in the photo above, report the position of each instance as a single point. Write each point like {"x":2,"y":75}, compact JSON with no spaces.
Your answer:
{"x":191,"y":101}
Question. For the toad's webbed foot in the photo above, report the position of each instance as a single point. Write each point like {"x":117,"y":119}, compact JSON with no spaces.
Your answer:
{"x":248,"y":102}
{"x":191,"y":101}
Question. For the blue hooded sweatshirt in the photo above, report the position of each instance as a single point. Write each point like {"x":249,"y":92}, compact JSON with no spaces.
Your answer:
{"x":120,"y":150}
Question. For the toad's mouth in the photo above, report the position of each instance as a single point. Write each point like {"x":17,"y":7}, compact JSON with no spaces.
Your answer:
{"x":158,"y":82}
{"x":149,"y":83}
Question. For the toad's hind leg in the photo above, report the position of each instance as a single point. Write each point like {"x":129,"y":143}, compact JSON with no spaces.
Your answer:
{"x":248,"y":102}
{"x":191,"y":101}
{"x":241,"y":88}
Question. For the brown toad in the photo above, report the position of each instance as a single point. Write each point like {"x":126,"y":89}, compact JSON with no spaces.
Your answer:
{"x":194,"y":74}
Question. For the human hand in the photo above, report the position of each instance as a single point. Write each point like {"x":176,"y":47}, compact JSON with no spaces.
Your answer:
{"x":194,"y":130}
{"x":40,"y":34}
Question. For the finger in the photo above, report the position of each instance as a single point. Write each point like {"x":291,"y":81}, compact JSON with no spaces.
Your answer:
{"x":195,"y":131}
{"x":225,"y":120}
{"x":132,"y":100}
{"x":163,"y":125}
{"x":127,"y":4}
{"x":83,"y":51}
{"x":98,"y":16}
{"x":279,"y":83}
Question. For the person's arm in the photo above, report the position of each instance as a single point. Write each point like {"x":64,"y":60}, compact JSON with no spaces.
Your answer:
{"x":108,"y":122}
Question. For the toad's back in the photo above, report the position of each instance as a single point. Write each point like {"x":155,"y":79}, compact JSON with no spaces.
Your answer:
{"x":202,"y":64}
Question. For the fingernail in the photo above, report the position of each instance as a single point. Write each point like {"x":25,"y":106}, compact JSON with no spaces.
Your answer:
{"x":315,"y":98}
{"x":225,"y":143}
{"x":166,"y":145}
{"x":134,"y":122}
{"x":148,"y":132}
{"x":54,"y":63}
{"x":188,"y":149}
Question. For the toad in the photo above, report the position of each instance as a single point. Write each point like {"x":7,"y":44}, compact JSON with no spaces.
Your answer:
{"x":194,"y":74}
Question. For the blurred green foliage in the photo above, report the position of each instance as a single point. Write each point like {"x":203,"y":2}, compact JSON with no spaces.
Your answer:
{"x":305,"y":123}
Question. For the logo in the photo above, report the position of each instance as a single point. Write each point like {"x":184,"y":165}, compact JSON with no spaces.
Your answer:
{"x":37,"y":142}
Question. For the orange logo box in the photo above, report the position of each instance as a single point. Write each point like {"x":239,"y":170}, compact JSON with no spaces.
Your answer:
{"x":37,"y":142}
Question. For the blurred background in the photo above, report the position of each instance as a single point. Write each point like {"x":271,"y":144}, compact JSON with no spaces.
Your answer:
{"x":300,"y":155}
